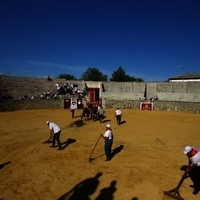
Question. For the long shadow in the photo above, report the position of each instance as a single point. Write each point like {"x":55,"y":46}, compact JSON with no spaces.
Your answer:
{"x":83,"y":189}
{"x":97,"y":157}
{"x":116,"y":150}
{"x":77,"y":116}
{"x":107,"y":193}
{"x":68,"y":142}
{"x":107,"y":120}
{"x":77,"y":123}
{"x":123,"y":122}
{"x":2,"y":165}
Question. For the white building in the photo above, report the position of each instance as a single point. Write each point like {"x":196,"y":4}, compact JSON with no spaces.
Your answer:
{"x":185,"y":78}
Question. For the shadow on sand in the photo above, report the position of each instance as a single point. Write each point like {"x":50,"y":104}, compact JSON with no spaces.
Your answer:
{"x":68,"y":142}
{"x":83,"y":189}
{"x":123,"y":122}
{"x":77,"y":123}
{"x":116,"y":150}
{"x":2,"y":165}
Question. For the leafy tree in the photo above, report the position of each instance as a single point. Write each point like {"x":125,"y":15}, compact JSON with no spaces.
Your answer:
{"x":67,"y":76}
{"x":139,"y":80}
{"x":120,"y":76}
{"x":93,"y":74}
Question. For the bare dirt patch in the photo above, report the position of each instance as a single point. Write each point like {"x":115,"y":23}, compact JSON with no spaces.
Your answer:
{"x":147,"y":156}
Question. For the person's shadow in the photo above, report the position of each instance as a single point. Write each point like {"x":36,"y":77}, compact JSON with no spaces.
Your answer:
{"x":82,"y":190}
{"x":68,"y":142}
{"x":77,"y":123}
{"x":106,"y":120}
{"x":107,"y":193}
{"x":116,"y":150}
{"x":122,"y":122}
{"x":2,"y":165}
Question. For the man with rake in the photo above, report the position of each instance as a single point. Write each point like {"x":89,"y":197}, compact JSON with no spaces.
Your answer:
{"x":193,"y":169}
{"x":108,"y":139}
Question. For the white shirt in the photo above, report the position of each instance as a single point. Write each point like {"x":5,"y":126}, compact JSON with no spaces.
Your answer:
{"x":108,"y":134}
{"x":196,"y":159}
{"x":54,"y":127}
{"x":118,"y":112}
{"x":73,"y":106}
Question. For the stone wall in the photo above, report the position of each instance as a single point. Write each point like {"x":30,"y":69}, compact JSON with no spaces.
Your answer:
{"x":13,"y":105}
{"x":166,"y":91}
{"x":191,"y":107}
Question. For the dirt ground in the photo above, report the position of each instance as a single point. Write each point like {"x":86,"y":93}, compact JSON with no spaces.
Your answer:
{"x":147,"y":156}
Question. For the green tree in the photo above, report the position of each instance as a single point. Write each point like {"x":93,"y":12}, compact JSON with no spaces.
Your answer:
{"x":93,"y":74}
{"x":139,"y":80}
{"x":120,"y":76}
{"x":67,"y":76}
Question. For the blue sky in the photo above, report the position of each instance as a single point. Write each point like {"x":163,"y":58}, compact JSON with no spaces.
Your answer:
{"x":149,"y":39}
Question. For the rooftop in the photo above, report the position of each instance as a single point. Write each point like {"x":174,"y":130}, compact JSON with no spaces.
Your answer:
{"x":186,"y":76}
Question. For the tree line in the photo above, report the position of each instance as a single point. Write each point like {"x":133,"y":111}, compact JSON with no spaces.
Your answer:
{"x":94,"y":74}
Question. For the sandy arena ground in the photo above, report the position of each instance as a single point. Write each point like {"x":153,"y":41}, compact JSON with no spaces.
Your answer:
{"x":147,"y":158}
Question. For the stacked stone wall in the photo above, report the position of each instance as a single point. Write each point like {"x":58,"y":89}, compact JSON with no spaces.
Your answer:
{"x":166,"y":91}
{"x":173,"y":96}
{"x":14,"y":105}
{"x":191,"y":107}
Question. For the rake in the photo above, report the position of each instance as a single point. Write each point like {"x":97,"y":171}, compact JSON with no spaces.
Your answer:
{"x":174,"y":193}
{"x":90,"y":158}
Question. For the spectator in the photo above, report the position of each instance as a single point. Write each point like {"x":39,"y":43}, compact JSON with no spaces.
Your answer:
{"x":49,"y":78}
{"x":58,"y":87}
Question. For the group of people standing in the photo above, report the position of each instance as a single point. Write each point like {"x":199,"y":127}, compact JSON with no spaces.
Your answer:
{"x":90,"y":111}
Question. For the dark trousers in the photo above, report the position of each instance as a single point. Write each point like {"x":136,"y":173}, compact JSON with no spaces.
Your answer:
{"x":118,"y":119}
{"x":101,"y":116}
{"x":56,"y":138}
{"x":107,"y":148}
{"x":72,"y":113}
{"x":195,"y":177}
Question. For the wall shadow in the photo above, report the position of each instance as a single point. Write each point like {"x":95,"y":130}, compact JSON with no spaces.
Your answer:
{"x":82,"y":190}
{"x":2,"y":165}
{"x":116,"y":150}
